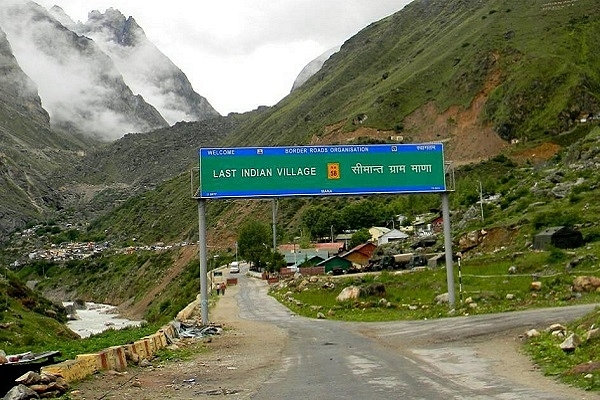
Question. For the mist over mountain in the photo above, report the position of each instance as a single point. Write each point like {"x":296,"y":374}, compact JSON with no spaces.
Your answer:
{"x":145,"y":69}
{"x":103,"y":78}
{"x":313,"y":67}
{"x":16,"y":88}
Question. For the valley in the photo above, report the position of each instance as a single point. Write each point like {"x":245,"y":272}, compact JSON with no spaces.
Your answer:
{"x":98,"y":187}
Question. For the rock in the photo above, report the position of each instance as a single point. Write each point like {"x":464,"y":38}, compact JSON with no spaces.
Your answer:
{"x":320,"y":315}
{"x":29,"y":378}
{"x":21,"y":392}
{"x":145,"y":363}
{"x":512,"y":270}
{"x":348,"y":293}
{"x":559,"y":334}
{"x":53,"y":394}
{"x":592,"y":334}
{"x":536,"y":286}
{"x":570,"y":343}
{"x":556,"y":327}
{"x":313,"y":279}
{"x":303,"y":284}
{"x":586,"y":284}
{"x":510,"y":296}
{"x":39,"y":388}
{"x":47,"y":378}
{"x":443,"y":298}
{"x":586,"y":368}
{"x":532,"y":333}
{"x":374,"y":289}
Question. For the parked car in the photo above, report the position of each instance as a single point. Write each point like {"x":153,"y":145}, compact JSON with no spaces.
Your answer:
{"x":234,"y":267}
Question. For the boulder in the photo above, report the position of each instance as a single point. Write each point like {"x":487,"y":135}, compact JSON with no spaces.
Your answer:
{"x":556,"y":327}
{"x":593,"y":334}
{"x":348,"y":293}
{"x":374,"y":289}
{"x":532,"y":333}
{"x":29,"y":378}
{"x":21,"y":392}
{"x":570,"y":343}
{"x":443,"y":298}
{"x":536,"y":286}
{"x":586,"y":284}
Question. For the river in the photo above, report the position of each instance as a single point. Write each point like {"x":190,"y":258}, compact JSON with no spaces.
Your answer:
{"x":98,"y":318}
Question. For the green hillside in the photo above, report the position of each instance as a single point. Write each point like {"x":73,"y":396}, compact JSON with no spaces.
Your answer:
{"x":472,"y":74}
{"x":539,"y":61}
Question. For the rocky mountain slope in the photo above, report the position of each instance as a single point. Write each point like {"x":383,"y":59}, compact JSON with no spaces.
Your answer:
{"x":478,"y":76}
{"x":145,"y":69}
{"x":79,"y":85}
{"x":63,"y":93}
{"x":460,"y":72}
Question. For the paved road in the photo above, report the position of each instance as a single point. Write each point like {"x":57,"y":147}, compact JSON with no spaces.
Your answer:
{"x":436,"y":359}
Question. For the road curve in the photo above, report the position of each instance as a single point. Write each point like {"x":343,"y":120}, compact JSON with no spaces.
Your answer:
{"x":433,"y":359}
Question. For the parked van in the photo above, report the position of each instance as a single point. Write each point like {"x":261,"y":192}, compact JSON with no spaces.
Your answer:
{"x":234,"y":267}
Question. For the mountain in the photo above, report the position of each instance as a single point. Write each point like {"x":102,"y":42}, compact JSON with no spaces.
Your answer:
{"x":29,"y":148}
{"x":79,"y":85}
{"x":145,"y":69}
{"x":511,"y":88}
{"x":484,"y":78}
{"x":313,"y":67}
{"x":471,"y":74}
{"x":475,"y":75}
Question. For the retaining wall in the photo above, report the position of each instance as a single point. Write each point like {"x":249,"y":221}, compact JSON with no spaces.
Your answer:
{"x":114,"y":358}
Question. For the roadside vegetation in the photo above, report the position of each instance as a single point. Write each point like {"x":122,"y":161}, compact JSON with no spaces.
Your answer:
{"x":487,"y":287}
{"x":578,"y":368}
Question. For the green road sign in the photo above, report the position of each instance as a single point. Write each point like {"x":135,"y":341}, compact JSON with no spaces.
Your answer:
{"x":249,"y":172}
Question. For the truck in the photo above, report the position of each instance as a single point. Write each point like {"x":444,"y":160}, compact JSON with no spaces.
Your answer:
{"x":401,"y":261}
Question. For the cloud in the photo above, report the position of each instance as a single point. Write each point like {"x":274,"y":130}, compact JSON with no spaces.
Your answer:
{"x":78,"y":84}
{"x":242,"y":53}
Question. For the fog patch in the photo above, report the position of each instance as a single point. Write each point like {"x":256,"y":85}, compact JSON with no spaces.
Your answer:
{"x":78,"y":84}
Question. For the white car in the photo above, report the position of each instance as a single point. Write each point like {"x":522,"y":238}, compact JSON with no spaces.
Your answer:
{"x":234,"y":268}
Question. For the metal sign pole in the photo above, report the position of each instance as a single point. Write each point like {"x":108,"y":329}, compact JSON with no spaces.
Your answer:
{"x":202,"y":254}
{"x":448,"y":248}
{"x":274,"y":224}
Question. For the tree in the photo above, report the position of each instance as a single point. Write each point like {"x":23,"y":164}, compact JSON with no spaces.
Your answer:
{"x":359,"y":237}
{"x":253,"y":239}
{"x":276,"y":262}
{"x":319,"y":220}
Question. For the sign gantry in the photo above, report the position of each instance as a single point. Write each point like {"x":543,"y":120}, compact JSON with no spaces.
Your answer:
{"x":248,"y":172}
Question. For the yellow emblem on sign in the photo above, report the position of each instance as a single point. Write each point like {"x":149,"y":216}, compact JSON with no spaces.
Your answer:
{"x":333,"y":170}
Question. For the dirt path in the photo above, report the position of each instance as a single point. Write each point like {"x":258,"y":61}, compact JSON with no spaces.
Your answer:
{"x":235,"y":362}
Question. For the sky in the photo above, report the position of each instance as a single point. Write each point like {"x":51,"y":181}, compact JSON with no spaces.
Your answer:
{"x":242,"y":54}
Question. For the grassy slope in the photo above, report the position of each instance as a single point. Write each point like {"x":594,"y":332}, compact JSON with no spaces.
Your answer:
{"x":445,"y":60}
{"x":443,"y":52}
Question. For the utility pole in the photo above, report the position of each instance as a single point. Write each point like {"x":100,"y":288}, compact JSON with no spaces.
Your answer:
{"x":481,"y":199}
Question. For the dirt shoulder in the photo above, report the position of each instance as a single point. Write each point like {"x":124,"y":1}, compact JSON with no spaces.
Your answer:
{"x":232,"y":363}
